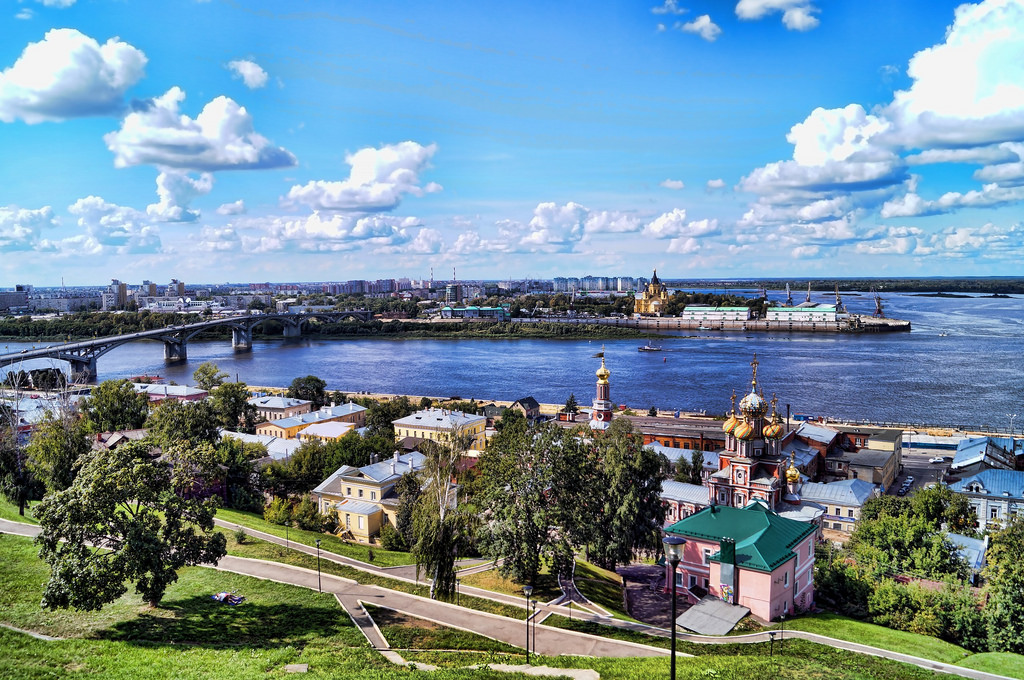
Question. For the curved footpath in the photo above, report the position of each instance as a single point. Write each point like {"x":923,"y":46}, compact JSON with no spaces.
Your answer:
{"x":549,"y":641}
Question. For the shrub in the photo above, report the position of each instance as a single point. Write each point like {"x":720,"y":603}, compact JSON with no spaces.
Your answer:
{"x":307,"y":515}
{"x":391,"y":538}
{"x":278,"y":512}
{"x":240,"y":536}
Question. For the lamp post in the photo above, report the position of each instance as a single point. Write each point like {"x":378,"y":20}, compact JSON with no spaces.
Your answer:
{"x":535,"y":627}
{"x":1012,"y":417}
{"x":318,"y":586}
{"x":528,"y":590}
{"x":458,"y":593}
{"x":674,"y":553}
{"x":782,"y":631}
{"x":286,"y":525}
{"x":771,"y":644}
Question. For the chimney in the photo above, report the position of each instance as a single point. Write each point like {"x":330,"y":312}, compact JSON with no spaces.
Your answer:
{"x":394,"y":469}
{"x":396,"y":458}
{"x":410,"y":464}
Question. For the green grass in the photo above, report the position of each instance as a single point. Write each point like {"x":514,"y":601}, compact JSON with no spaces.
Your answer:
{"x":851,"y":630}
{"x":545,"y":589}
{"x":9,"y":511}
{"x":403,"y":631}
{"x":1000,"y":663}
{"x":602,"y":587}
{"x":356,"y":551}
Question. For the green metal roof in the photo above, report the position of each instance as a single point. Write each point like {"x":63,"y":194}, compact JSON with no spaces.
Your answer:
{"x":764,"y":541}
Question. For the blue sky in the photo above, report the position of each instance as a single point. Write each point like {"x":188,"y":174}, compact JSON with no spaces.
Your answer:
{"x":246,"y":141}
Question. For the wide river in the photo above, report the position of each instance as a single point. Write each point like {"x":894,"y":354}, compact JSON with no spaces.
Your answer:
{"x":962,"y":365}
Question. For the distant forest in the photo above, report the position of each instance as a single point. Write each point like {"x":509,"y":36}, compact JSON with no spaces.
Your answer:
{"x":988,"y":285}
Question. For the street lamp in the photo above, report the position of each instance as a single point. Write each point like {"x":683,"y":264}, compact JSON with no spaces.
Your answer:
{"x":771,"y":644}
{"x":458,"y":594}
{"x":286,"y":525}
{"x":782,"y":631}
{"x":1011,"y":416}
{"x":528,"y":590}
{"x":535,"y":627}
{"x":318,"y":586}
{"x":674,"y":553}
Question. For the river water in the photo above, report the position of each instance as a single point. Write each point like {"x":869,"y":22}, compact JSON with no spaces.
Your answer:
{"x":962,"y":365}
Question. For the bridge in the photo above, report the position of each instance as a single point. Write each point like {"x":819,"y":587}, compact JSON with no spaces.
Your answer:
{"x":82,"y":355}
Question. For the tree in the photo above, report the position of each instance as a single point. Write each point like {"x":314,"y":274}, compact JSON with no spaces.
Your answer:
{"x":209,"y":376}
{"x":570,"y":405}
{"x":310,"y":388}
{"x":682,"y":472}
{"x":940,"y":505}
{"x":408,"y":490}
{"x":191,"y":421}
{"x":1004,"y":612}
{"x":17,"y":483}
{"x":632,"y":514}
{"x":652,"y":411}
{"x":697,"y":468}
{"x":115,"y":405}
{"x":381,"y":414}
{"x":231,"y":404}
{"x":124,"y":501}
{"x":55,"y":448}
{"x":438,"y":523}
{"x":242,"y":482}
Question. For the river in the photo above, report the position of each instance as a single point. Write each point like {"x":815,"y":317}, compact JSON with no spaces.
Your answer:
{"x":962,"y":365}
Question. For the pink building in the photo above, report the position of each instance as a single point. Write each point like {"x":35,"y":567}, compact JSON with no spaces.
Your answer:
{"x":747,"y":556}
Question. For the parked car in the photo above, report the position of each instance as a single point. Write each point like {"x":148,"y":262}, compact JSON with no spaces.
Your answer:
{"x":937,"y":459}
{"x":909,"y":480}
{"x":902,"y":491}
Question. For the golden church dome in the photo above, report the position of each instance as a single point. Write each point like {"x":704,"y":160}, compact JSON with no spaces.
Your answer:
{"x":603,"y":373}
{"x":792,"y":473}
{"x":733,"y":421}
{"x":773,"y":430}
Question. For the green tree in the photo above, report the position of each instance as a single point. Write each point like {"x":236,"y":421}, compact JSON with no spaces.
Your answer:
{"x":242,"y":481}
{"x":940,"y":505}
{"x":192,"y":421}
{"x":310,"y":388}
{"x":632,"y":513}
{"x":381,"y":414}
{"x":439,"y":524}
{"x":209,"y":376}
{"x":571,"y":406}
{"x":115,"y":405}
{"x":652,"y":411}
{"x":697,"y":468}
{"x":1004,"y":611}
{"x":408,"y":490}
{"x":682,"y":472}
{"x":124,"y":501}
{"x":57,"y":444}
{"x":231,"y":404}
{"x":17,"y":483}
{"x":884,"y":506}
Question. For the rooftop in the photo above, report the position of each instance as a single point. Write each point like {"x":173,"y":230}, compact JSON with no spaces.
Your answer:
{"x":439,"y":419}
{"x":329,"y":430}
{"x":1004,"y":483}
{"x":276,"y":402}
{"x":684,"y":493}
{"x":817,"y":433}
{"x":852,"y":492}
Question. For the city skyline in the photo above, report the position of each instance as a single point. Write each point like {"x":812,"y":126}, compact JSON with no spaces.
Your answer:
{"x":762,"y":138}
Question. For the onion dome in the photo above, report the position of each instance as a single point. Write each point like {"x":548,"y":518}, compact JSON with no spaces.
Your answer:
{"x":602,"y":373}
{"x":774,"y":429}
{"x":792,"y":473}
{"x":754,"y":405}
{"x":733,"y":421}
{"x":744,"y":431}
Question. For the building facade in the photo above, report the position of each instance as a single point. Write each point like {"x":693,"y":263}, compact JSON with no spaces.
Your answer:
{"x":272,"y":408}
{"x":438,"y":424}
{"x":653,"y":299}
{"x":996,"y":496}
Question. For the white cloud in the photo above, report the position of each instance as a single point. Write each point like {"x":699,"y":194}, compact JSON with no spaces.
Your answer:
{"x":715,"y":184}
{"x":68,"y":75}
{"x":21,"y":229}
{"x":805,"y":252}
{"x":111,"y":228}
{"x":62,"y":4}
{"x":24,"y":14}
{"x":378,"y":179}
{"x":797,"y":15}
{"x":221,"y":137}
{"x":668,"y":7}
{"x":702,"y":26}
{"x":235,"y":208}
{"x":176,"y":191}
{"x":250,"y":72}
{"x":683,"y":246}
{"x":673,"y":225}
{"x":327,"y":232}
{"x":225,"y":239}
{"x":558,"y":228}
{"x":672,"y":184}
{"x":990,"y":196}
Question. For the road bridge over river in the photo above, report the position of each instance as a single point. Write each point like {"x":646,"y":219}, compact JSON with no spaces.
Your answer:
{"x":82,"y":355}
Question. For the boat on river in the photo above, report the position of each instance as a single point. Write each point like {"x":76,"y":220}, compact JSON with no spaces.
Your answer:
{"x":648,"y":348}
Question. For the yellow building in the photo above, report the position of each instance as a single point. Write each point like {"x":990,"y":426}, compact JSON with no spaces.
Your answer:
{"x":289,"y":428}
{"x":653,"y":299}
{"x":326,"y":432}
{"x":438,"y":424}
{"x":363,"y":497}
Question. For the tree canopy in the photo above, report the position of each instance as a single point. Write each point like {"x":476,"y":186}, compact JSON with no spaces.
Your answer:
{"x":231,"y":403}
{"x":310,"y":388}
{"x":121,"y":522}
{"x":191,"y":421}
{"x":209,"y":376}
{"x":57,"y":444}
{"x":115,"y":405}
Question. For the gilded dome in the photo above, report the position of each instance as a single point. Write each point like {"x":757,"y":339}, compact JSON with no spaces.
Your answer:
{"x":792,"y":473}
{"x":754,"y":405}
{"x":602,"y":373}
{"x":744,"y":431}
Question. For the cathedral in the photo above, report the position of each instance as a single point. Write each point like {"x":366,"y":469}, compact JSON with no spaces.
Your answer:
{"x":653,"y":298}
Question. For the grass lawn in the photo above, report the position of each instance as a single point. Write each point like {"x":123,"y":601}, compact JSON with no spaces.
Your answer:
{"x":602,"y":587}
{"x":545,"y":590}
{"x":9,"y":511}
{"x":403,"y":631}
{"x":1000,"y":663}
{"x":356,"y":551}
{"x":851,"y":630}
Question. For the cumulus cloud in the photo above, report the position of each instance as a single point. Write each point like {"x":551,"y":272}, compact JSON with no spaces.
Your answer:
{"x":176,"y":191}
{"x":683,"y":246}
{"x":673,"y":224}
{"x":672,"y":184}
{"x":326,"y":232}
{"x":715,"y":184}
{"x":61,"y":4}
{"x":668,"y":7}
{"x":250,"y":72}
{"x":21,"y":229}
{"x":111,"y":228}
{"x":234,"y":208}
{"x":24,"y":14}
{"x":221,"y":137}
{"x":224,"y":239}
{"x":69,"y":75}
{"x":558,"y":228}
{"x":702,"y":26}
{"x":797,"y":15}
{"x":377,"y":181}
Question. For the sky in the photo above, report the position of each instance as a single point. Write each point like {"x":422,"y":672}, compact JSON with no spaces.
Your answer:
{"x":235,"y":140}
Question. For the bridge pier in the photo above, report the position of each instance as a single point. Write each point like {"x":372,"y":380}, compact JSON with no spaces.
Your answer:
{"x":176,"y":350}
{"x":241,"y":339}
{"x":292,"y":330}
{"x":83,"y":369}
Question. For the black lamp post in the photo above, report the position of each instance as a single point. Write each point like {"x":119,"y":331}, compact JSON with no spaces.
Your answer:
{"x":535,"y":627}
{"x":318,"y":586}
{"x":782,"y":631}
{"x":286,"y":525}
{"x":674,"y":553}
{"x":528,"y":590}
{"x":458,"y":593}
{"x":771,"y":644}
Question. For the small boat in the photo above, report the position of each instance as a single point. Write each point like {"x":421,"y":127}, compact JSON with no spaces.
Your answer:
{"x":702,"y":327}
{"x":648,"y":348}
{"x":943,"y":334}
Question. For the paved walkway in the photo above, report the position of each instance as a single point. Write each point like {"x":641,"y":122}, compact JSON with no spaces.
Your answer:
{"x":549,"y":641}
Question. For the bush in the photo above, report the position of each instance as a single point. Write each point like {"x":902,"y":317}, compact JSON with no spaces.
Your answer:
{"x":307,"y":515}
{"x":278,"y":512}
{"x":240,"y":536}
{"x":391,"y":538}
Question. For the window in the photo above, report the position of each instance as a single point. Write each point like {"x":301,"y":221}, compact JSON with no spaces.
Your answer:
{"x":373,"y":495}
{"x":693,"y":580}
{"x":993,"y":513}
{"x":679,"y":580}
{"x":707,"y":584}
{"x":360,"y":493}
{"x":359,"y":519}
{"x":849,"y":512}
{"x":348,"y":520}
{"x":810,"y":549}
{"x":785,"y":579}
{"x":839,"y":512}
{"x":348,"y":490}
{"x":706,"y":554}
{"x":837,"y":525}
